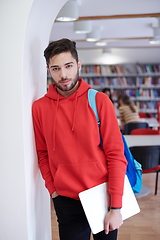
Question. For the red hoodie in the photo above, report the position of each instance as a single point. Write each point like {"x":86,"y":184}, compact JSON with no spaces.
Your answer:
{"x":68,"y":144}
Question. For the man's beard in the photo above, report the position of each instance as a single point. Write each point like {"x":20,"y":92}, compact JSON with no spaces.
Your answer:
{"x":65,"y":87}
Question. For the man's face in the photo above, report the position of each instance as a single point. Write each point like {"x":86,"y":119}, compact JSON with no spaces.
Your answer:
{"x":64,"y":70}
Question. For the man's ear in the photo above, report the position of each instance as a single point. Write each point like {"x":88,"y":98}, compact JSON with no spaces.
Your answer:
{"x":79,"y":64}
{"x":48,"y":70}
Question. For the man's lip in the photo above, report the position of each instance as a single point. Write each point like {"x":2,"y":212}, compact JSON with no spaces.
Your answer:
{"x":65,"y":82}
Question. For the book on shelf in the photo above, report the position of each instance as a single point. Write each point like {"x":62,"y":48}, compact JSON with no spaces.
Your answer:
{"x":131,"y":92}
{"x":130,"y":82}
{"x":149,"y":68}
{"x":119,"y":69}
{"x":106,"y":70}
{"x":156,"y":68}
{"x":97,"y":69}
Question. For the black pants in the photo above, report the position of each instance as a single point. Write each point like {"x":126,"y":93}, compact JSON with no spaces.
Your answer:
{"x":73,"y":224}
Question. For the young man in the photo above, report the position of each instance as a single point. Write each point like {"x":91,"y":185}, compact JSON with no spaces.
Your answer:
{"x":70,"y":157}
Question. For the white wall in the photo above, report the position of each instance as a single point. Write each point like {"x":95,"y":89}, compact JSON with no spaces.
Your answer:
{"x":120,"y":56}
{"x":13,"y":218}
{"x":24,"y":203}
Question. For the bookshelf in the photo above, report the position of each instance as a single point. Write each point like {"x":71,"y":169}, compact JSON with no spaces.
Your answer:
{"x":140,"y":81}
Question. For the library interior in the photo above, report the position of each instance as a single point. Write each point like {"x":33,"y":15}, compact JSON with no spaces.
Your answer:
{"x":118,"y":43}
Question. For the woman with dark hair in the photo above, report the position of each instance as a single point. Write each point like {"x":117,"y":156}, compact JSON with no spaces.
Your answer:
{"x":127,"y":110}
{"x":107,"y":91}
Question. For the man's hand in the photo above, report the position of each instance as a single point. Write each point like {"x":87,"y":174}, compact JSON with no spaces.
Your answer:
{"x":113,"y":220}
{"x":54,"y":194}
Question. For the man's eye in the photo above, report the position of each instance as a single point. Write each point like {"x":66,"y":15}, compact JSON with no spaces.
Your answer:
{"x":70,"y":65}
{"x":54,"y":69}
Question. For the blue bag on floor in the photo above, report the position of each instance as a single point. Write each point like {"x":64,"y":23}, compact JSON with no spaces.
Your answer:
{"x":134,"y":168}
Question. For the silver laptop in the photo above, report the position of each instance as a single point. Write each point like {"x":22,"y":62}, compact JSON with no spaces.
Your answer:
{"x":95,"y":202}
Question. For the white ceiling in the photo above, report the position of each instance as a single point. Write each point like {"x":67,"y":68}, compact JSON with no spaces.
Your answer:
{"x":126,"y":32}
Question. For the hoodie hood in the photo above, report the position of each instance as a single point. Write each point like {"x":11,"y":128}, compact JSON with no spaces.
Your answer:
{"x":56,"y":97}
{"x":53,"y":94}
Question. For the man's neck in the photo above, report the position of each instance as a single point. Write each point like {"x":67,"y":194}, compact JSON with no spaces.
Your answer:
{"x":68,"y":93}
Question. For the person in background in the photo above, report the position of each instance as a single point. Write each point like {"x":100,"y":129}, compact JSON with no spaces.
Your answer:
{"x":107,"y":91}
{"x":128,"y":112}
{"x":67,"y":139}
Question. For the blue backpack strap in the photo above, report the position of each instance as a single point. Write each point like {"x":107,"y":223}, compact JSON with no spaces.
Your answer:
{"x":131,"y":173}
{"x":134,"y":169}
{"x":92,"y":102}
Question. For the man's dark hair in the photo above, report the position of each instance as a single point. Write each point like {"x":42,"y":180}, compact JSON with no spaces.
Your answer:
{"x":60,"y":46}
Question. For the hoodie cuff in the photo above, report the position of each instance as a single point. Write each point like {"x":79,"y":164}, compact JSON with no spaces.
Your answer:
{"x":116,"y":201}
{"x":51,"y":189}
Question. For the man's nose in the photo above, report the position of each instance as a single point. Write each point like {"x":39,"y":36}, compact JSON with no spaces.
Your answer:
{"x":63,"y":73}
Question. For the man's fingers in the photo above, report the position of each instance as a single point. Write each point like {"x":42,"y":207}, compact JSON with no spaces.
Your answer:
{"x":106,"y":228}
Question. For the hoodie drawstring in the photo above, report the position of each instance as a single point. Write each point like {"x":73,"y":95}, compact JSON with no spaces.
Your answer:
{"x":54,"y":125}
{"x":75,"y":110}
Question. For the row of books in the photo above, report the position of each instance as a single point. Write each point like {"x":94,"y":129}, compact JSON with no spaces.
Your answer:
{"x":146,"y":105}
{"x":104,"y":81}
{"x":105,"y":69}
{"x":115,"y":69}
{"x":116,"y":92}
{"x":138,"y":94}
{"x":120,"y":69}
{"x":148,"y":81}
{"x":124,"y":81}
{"x":148,"y":68}
{"x":149,"y":107}
{"x":148,"y":93}
{"x":93,"y":69}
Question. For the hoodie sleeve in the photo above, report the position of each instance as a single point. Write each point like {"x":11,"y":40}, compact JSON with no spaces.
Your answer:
{"x":113,"y":148}
{"x":41,"y":149}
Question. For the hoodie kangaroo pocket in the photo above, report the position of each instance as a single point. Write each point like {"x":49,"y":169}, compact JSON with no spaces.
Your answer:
{"x":70,"y":179}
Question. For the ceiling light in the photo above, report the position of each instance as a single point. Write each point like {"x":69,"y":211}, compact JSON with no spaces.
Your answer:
{"x":156,"y":38}
{"x":93,"y":36}
{"x":69,"y":12}
{"x":101,"y":43}
{"x":83,"y":26}
{"x":154,"y":41}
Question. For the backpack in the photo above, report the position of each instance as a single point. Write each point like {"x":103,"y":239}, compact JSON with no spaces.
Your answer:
{"x":134,"y":168}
